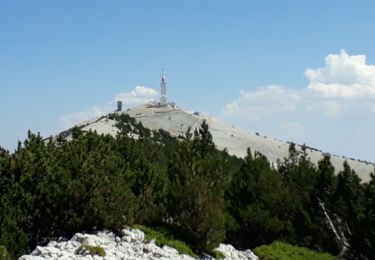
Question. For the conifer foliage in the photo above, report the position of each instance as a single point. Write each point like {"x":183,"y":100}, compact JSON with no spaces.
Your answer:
{"x":198,"y":174}
{"x":56,"y":187}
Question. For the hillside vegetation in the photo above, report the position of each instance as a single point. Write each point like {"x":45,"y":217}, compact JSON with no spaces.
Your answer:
{"x":282,"y":251}
{"x":203,"y":196}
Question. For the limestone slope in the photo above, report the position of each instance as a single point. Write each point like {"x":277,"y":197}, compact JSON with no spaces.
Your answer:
{"x":177,"y":121}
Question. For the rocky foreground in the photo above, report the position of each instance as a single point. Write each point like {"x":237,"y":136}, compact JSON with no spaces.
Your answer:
{"x":132,"y":245}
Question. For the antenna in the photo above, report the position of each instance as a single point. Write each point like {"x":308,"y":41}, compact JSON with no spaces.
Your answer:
{"x":162,"y":74}
{"x":163,"y":89}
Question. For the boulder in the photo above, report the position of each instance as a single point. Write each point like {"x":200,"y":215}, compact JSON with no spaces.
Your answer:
{"x":231,"y":253}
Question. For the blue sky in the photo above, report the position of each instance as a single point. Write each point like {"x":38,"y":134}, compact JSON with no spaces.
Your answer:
{"x":245,"y":62}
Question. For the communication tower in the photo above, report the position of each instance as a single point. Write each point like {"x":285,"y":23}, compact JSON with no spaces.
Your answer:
{"x":163,"y":90}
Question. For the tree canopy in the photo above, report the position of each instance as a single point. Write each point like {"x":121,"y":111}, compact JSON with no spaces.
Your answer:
{"x":54,"y":187}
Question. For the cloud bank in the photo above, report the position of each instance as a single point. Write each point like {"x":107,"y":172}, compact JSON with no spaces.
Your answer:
{"x":334,"y":112}
{"x":138,"y":96}
{"x":343,"y":76}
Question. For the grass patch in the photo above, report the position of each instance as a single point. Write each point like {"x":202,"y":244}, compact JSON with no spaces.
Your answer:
{"x":217,"y":254}
{"x":163,"y":237}
{"x":283,"y":251}
{"x":93,"y":250}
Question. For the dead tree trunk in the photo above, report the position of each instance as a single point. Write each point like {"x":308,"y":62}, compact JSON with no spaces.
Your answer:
{"x":338,"y":231}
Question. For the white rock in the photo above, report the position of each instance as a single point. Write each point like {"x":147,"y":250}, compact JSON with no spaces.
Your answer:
{"x":130,"y":246}
{"x":250,"y":254}
{"x":153,"y":250}
{"x":139,"y":235}
{"x":64,"y":258}
{"x":29,"y":257}
{"x":231,"y":253}
{"x":78,"y":237}
{"x":90,"y":240}
{"x":39,"y":251}
{"x":170,"y":251}
{"x":126,"y":238}
{"x":52,"y":250}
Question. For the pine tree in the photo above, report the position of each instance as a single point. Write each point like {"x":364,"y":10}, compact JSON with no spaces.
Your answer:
{"x":258,"y":201}
{"x":325,"y":184}
{"x":196,"y":172}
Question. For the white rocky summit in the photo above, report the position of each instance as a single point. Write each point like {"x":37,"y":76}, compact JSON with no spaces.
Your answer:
{"x":131,"y":245}
{"x":176,"y":121}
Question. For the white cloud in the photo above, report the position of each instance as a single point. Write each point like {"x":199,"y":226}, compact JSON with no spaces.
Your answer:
{"x":344,"y":75}
{"x":138,"y":96}
{"x":251,"y":102}
{"x":332,"y":108}
{"x":338,"y":101}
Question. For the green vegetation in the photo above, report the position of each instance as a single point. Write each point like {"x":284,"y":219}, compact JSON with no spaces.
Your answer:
{"x":163,"y":237}
{"x":203,"y":196}
{"x":283,"y":251}
{"x":217,"y":254}
{"x":4,"y":255}
{"x":92,"y":250}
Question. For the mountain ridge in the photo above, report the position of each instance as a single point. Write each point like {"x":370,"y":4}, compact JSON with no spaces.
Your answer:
{"x":177,"y":121}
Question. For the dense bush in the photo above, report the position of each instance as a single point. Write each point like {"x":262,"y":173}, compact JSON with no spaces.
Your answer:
{"x":283,"y":251}
{"x":164,"y":237}
{"x":54,"y":187}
